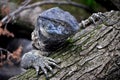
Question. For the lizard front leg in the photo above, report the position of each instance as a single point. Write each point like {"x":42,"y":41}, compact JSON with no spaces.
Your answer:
{"x":36,"y":60}
{"x":92,"y":19}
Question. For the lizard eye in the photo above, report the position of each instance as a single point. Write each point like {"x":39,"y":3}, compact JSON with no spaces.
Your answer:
{"x":50,"y":27}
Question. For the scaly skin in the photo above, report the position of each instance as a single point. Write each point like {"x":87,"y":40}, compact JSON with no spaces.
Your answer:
{"x":52,"y":29}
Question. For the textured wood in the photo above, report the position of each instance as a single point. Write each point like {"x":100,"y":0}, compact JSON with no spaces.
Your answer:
{"x":93,"y":53}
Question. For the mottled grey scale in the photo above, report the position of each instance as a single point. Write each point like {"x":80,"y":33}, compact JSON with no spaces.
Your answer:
{"x":58,"y":14}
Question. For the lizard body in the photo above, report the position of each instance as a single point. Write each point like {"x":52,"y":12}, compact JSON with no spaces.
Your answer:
{"x":52,"y":29}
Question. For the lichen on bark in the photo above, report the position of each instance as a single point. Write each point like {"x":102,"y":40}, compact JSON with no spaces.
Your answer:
{"x":92,"y":54}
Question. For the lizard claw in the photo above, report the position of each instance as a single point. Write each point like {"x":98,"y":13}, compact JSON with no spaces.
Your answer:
{"x":97,"y":16}
{"x":34,"y":59}
{"x":93,"y":18}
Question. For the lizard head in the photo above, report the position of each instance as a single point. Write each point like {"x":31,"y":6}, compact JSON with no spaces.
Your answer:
{"x":53,"y":27}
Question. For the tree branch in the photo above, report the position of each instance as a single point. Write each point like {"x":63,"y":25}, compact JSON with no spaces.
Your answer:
{"x":14,"y":15}
{"x":92,"y":54}
{"x":60,"y":3}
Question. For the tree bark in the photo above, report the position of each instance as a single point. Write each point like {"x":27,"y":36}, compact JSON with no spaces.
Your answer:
{"x":92,"y":54}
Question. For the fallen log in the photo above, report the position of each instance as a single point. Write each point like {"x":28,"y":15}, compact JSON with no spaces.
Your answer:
{"x":93,"y":53}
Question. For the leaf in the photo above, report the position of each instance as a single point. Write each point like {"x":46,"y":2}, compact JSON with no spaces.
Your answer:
{"x":17,"y":52}
{"x":1,"y":31}
{"x":12,"y":58}
{"x":5,"y":10}
{"x":16,"y":55}
{"x":5,"y":32}
{"x":1,"y":23}
{"x":3,"y":56}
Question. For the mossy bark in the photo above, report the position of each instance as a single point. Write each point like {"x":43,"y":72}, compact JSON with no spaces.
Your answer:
{"x":93,"y":54}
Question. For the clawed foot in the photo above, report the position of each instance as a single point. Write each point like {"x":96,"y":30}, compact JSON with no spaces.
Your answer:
{"x":34,"y":59}
{"x":97,"y":16}
{"x":93,"y":18}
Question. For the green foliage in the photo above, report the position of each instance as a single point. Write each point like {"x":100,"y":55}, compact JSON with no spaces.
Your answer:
{"x":92,"y":4}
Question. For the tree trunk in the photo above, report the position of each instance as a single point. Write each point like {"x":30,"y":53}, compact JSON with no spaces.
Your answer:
{"x":93,"y":54}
